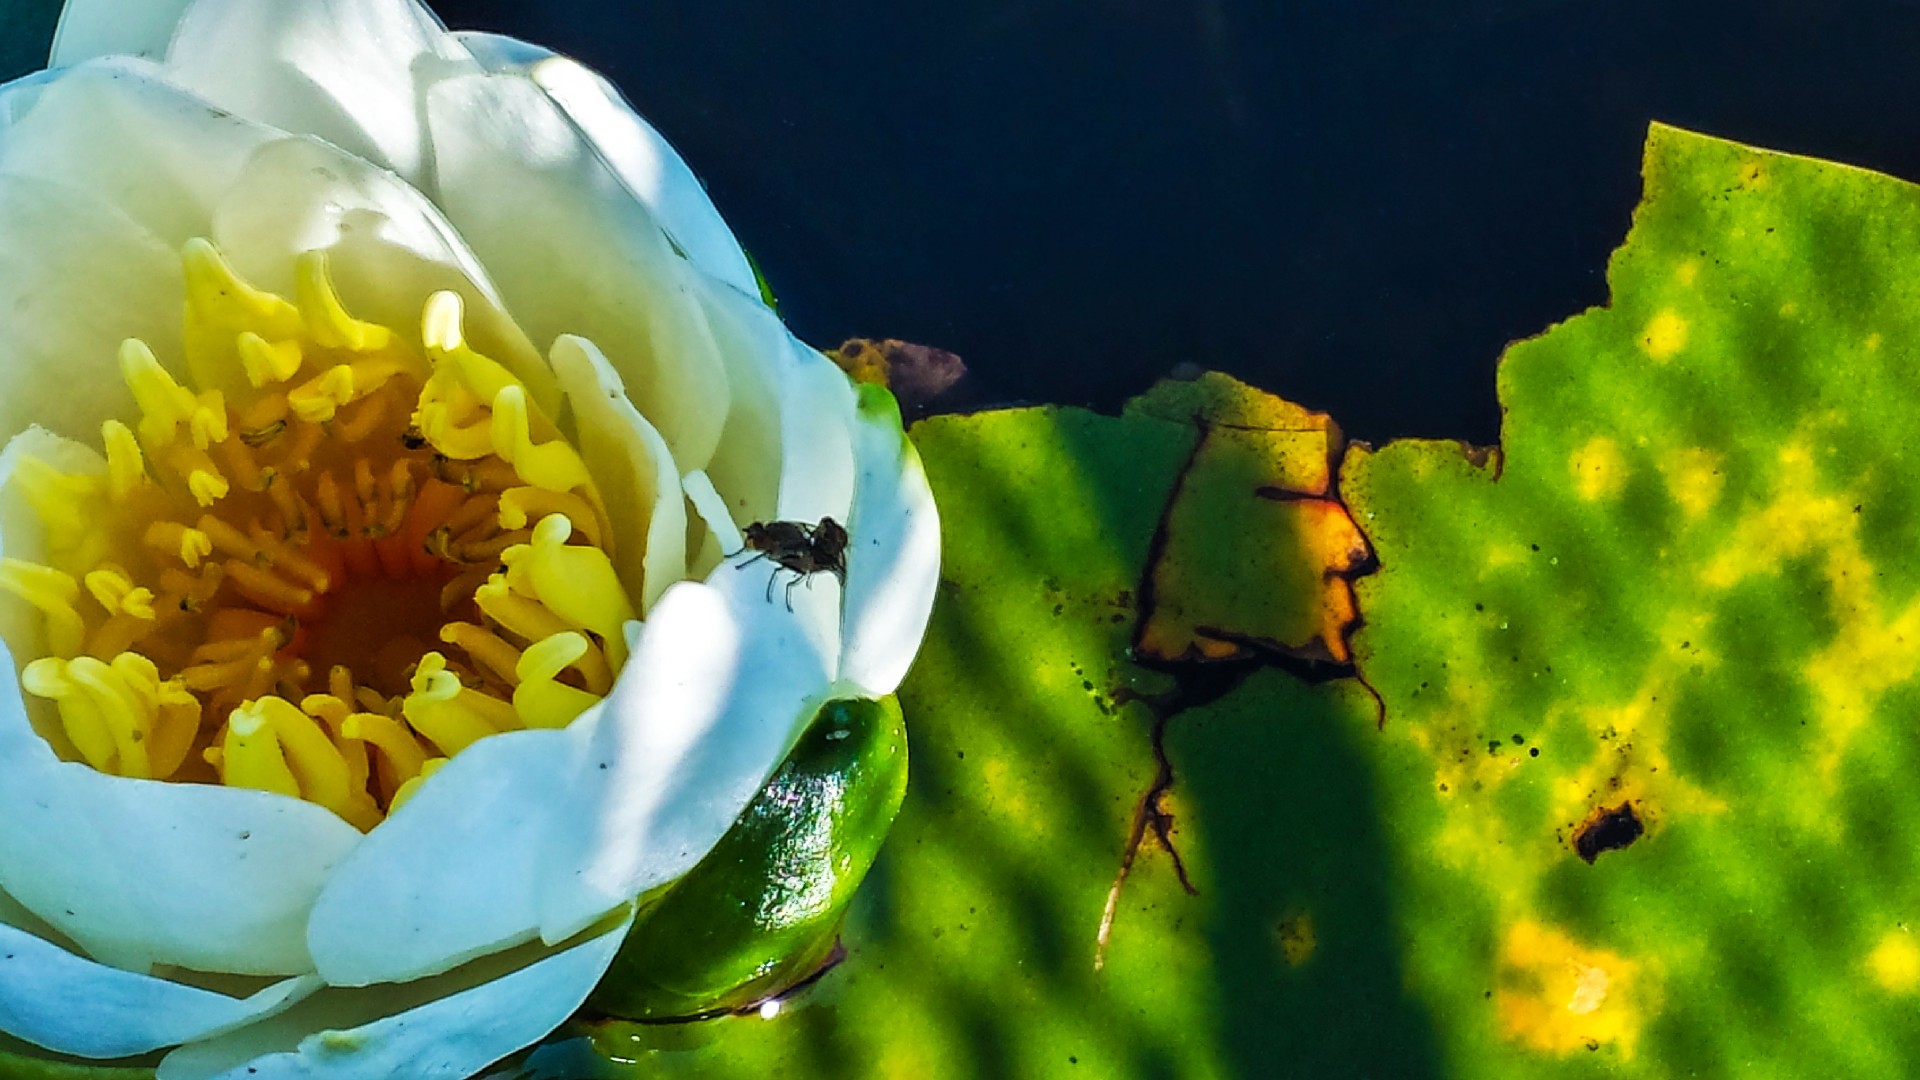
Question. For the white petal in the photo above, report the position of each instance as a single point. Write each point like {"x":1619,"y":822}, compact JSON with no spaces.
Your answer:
{"x":76,"y":278}
{"x":893,"y":562}
{"x":72,"y":1005}
{"x":754,"y":344}
{"x":142,"y":872}
{"x":632,"y":467}
{"x":450,"y":1027}
{"x":349,"y":71}
{"x":111,"y":129}
{"x":407,"y":902}
{"x":707,"y":503}
{"x":500,"y":54}
{"x":650,"y":168}
{"x":90,"y":28}
{"x":554,"y":828}
{"x":793,"y":411}
{"x":574,"y":253}
{"x":816,"y":437}
{"x":389,"y":249}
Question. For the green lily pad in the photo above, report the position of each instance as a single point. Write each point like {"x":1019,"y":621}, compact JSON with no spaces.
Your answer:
{"x":1647,"y":670}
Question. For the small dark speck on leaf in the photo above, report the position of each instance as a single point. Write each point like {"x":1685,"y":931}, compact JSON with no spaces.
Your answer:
{"x":1607,"y":829}
{"x":1519,"y":740}
{"x":1533,"y":752}
{"x":1493,"y":746}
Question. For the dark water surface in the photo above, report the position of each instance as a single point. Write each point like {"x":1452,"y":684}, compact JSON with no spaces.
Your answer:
{"x":1355,"y":204}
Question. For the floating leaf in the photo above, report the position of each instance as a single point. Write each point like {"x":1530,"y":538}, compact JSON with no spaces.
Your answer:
{"x":1651,"y":663}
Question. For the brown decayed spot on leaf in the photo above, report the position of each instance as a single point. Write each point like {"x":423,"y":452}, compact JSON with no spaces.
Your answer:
{"x":1607,"y":829}
{"x":1278,"y":579}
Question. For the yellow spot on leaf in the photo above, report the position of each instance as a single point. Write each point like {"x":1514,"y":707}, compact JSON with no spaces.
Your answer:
{"x":1665,"y":335}
{"x":1873,"y":650}
{"x":1894,"y":963}
{"x":1297,"y":938}
{"x":1687,"y":272}
{"x":1693,"y":479}
{"x":1873,"y":342}
{"x":1598,"y":469}
{"x":1558,"y":996}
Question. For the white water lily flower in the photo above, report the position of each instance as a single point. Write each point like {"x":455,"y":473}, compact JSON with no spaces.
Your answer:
{"x":384,"y":408}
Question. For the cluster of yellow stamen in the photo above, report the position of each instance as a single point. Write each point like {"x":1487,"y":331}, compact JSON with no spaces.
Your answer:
{"x":338,"y":561}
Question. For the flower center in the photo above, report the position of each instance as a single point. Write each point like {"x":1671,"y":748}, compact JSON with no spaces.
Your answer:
{"x":338,"y":561}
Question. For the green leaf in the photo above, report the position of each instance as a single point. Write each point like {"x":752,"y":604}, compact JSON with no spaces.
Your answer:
{"x":1648,"y":669}
{"x":761,"y":911}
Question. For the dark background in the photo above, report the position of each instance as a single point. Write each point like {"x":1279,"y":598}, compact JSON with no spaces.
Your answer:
{"x":1355,"y":204}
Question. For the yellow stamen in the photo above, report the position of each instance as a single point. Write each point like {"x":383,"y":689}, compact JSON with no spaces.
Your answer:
{"x":325,"y":316}
{"x":126,"y":465}
{"x":190,"y":545}
{"x":447,"y":712}
{"x":395,"y":743}
{"x":408,"y":789}
{"x":79,"y":715}
{"x":552,"y":465}
{"x":576,"y":583}
{"x":53,"y":593}
{"x":251,"y":757}
{"x":164,"y":403}
{"x":116,"y":592}
{"x":268,"y":362}
{"x":541,"y":701}
{"x":522,"y":505}
{"x":217,"y":297}
{"x":499,"y":658}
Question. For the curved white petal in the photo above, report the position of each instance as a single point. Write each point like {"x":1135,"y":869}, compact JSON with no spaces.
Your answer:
{"x":389,"y":249}
{"x":632,"y":467}
{"x":111,"y":129}
{"x":90,"y":28}
{"x":405,"y":904}
{"x":350,"y":71}
{"x":816,"y":461}
{"x":554,"y":828}
{"x":142,"y":872}
{"x":72,"y":1005}
{"x":77,"y":277}
{"x":794,"y":412}
{"x":893,"y":562}
{"x":746,"y":466}
{"x":450,"y":1027}
{"x":574,"y":253}
{"x":652,"y":170}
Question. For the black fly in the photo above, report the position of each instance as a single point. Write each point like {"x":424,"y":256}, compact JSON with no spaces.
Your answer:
{"x":797,"y":546}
